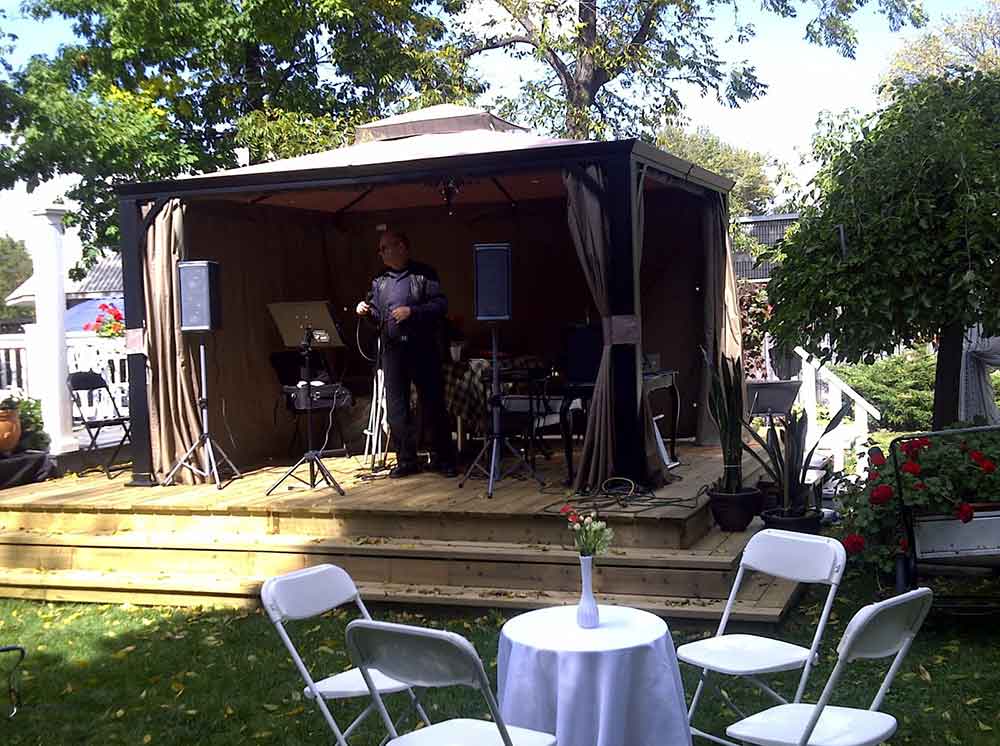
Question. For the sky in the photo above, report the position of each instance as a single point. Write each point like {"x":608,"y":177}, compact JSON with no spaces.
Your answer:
{"x":803,"y":81}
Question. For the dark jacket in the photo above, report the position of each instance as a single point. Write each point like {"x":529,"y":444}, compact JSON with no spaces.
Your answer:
{"x":418,"y":287}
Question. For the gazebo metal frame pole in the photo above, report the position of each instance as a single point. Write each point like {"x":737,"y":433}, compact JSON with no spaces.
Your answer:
{"x":205,"y":440}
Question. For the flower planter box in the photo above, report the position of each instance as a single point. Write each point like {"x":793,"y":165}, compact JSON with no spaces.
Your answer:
{"x":945,"y":539}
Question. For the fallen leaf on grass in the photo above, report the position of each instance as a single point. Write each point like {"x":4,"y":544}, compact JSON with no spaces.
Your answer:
{"x":924,"y":673}
{"x":269,"y":707}
{"x":970,"y":702}
{"x":983,"y":726}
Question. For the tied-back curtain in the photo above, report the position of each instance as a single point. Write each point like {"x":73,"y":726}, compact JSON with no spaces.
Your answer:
{"x":589,"y":228}
{"x":723,"y":336}
{"x":976,"y":395}
{"x":173,"y":383}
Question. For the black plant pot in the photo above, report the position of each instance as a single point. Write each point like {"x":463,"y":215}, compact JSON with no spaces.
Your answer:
{"x":733,"y":511}
{"x":770,"y":495}
{"x":805,"y":523}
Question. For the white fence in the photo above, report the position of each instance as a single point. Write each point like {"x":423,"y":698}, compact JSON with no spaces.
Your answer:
{"x":84,"y":351}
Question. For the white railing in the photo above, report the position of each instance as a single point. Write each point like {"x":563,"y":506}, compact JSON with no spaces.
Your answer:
{"x":84,"y":351}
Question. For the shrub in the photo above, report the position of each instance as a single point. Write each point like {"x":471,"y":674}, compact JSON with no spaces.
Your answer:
{"x":33,"y":436}
{"x":901,"y":387}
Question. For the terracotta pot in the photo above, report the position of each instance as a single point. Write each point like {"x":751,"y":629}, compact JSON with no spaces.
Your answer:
{"x":733,"y":511}
{"x":10,"y":430}
{"x":807,"y":523}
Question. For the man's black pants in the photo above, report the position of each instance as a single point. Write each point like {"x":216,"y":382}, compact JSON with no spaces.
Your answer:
{"x":418,"y":362}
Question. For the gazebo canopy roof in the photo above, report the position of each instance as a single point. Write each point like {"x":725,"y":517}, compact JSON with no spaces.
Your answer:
{"x":420,"y":146}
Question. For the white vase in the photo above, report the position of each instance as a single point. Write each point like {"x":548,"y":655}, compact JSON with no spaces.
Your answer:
{"x":586,"y":611}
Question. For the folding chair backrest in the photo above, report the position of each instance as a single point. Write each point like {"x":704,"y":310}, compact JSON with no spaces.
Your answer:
{"x":308,"y":592}
{"x":878,"y":630}
{"x":419,"y":657}
{"x":882,"y":629}
{"x":86,"y":380}
{"x":795,"y":556}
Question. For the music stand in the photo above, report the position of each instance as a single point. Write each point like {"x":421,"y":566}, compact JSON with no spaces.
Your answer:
{"x":307,"y":325}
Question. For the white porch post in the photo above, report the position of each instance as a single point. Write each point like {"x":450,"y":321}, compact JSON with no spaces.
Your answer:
{"x":48,"y":356}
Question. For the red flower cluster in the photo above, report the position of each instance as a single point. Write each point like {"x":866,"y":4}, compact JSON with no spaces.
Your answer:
{"x":980,"y":460}
{"x":873,"y":476}
{"x":912,"y":448}
{"x":109,"y":323}
{"x":854,"y":543}
{"x":570,"y":513}
{"x":911,"y":467}
{"x":881,"y":494}
{"x":965,"y":512}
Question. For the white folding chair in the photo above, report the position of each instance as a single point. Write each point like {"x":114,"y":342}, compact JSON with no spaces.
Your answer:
{"x":310,"y":592}
{"x":433,"y":658}
{"x":784,"y":554}
{"x":876,"y":631}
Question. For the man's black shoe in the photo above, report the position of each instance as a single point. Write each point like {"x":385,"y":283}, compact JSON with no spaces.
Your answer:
{"x":403,"y":470}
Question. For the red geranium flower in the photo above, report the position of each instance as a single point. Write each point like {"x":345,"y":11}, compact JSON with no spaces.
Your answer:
{"x":920,"y":486}
{"x":881,"y":494}
{"x":977,"y":456}
{"x":116,"y":314}
{"x":904,"y":544}
{"x":987,"y":466}
{"x":911,"y":467}
{"x":964,"y":512}
{"x":873,"y":476}
{"x":104,"y":307}
{"x":854,"y":543}
{"x":876,"y":456}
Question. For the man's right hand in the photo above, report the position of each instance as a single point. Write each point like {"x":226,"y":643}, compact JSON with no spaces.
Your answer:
{"x":363,"y":308}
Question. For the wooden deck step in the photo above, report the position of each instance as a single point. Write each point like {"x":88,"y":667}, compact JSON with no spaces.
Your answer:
{"x":704,"y":571}
{"x":765,"y":602}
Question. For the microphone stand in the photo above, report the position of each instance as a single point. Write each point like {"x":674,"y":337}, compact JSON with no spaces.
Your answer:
{"x":375,"y":434}
{"x":317,"y":469}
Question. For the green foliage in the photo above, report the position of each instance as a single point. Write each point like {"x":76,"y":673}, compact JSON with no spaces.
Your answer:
{"x":33,"y":435}
{"x":901,"y":387}
{"x":787,"y":461}
{"x":614,"y":66}
{"x":754,"y":310}
{"x":938,"y":475}
{"x":726,"y":407}
{"x":15,"y":268}
{"x":153,"y":90}
{"x":914,"y":189}
{"x":970,"y":41}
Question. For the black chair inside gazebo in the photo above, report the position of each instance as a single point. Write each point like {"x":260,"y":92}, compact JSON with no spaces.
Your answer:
{"x":87,"y":383}
{"x":580,"y":363}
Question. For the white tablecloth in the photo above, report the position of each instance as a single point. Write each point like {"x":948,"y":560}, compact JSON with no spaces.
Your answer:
{"x":616,"y":685}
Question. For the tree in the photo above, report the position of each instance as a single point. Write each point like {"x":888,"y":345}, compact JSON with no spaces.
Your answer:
{"x":970,"y":41}
{"x":15,"y":268}
{"x":899,"y":241}
{"x":613,"y":66}
{"x":157,"y":89}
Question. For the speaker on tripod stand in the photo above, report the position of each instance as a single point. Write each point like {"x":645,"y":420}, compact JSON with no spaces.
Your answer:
{"x":198,"y":285}
{"x":493,"y":304}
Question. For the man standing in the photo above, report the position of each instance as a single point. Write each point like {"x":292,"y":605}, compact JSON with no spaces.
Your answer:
{"x":407,"y":303}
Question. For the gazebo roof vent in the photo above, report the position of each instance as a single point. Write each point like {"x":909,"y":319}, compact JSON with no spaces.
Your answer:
{"x":434,"y":120}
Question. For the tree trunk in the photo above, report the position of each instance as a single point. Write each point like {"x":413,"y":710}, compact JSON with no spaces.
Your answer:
{"x":947,"y":375}
{"x":578,"y":114}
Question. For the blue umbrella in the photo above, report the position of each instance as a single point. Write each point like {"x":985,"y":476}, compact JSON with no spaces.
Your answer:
{"x":88,"y":310}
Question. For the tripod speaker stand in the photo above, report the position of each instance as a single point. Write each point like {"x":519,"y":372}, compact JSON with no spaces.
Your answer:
{"x":496,"y":441}
{"x":205,"y":440}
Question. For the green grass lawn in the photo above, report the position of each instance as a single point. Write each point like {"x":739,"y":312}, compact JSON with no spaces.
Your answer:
{"x":139,"y":675}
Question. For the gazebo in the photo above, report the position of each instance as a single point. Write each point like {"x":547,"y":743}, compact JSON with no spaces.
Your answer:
{"x":619,"y":229}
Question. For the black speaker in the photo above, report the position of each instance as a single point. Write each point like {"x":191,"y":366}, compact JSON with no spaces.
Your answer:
{"x":198,"y":282}
{"x":493,"y":298}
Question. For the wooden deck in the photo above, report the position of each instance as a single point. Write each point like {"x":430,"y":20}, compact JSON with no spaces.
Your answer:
{"x":421,"y":540}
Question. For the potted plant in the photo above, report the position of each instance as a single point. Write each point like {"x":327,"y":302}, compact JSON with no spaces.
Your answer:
{"x":10,"y":425}
{"x":591,"y":537}
{"x":733,"y":506}
{"x":787,"y":465}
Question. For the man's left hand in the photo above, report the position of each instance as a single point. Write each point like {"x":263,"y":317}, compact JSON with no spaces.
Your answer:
{"x":401,"y":314}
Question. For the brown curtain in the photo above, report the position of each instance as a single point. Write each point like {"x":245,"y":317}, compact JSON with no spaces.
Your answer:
{"x":589,"y":228}
{"x":722,"y":309}
{"x":173,"y":383}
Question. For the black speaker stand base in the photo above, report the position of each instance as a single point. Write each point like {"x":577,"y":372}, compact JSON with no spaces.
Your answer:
{"x":318,"y":473}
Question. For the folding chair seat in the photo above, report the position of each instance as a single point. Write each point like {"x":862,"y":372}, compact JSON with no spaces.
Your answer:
{"x":784,"y":554}
{"x":433,"y":658}
{"x":879,"y":630}
{"x":307,"y":593}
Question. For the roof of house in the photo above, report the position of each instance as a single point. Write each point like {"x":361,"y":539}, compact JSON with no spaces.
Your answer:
{"x":103,"y":280}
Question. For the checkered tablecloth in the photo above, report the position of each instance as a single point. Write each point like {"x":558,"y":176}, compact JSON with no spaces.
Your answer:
{"x":464,"y":395}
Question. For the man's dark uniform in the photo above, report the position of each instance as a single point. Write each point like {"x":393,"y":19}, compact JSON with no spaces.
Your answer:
{"x":410,"y":354}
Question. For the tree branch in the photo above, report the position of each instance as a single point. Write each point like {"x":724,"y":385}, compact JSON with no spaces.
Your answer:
{"x":535,"y":39}
{"x":500,"y":43}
